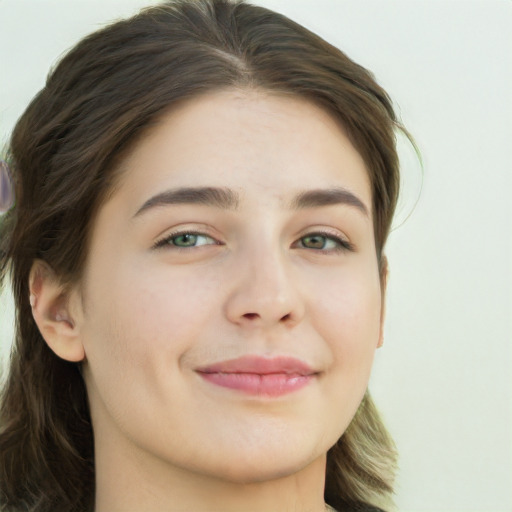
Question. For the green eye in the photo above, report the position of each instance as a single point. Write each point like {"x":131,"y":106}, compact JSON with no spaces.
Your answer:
{"x":322,"y":242}
{"x":314,"y":241}
{"x":185,"y":240}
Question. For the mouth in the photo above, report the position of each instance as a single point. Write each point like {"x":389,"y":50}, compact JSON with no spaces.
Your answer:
{"x":257,"y":375}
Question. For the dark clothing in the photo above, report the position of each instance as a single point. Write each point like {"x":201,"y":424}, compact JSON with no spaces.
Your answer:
{"x":358,"y":507}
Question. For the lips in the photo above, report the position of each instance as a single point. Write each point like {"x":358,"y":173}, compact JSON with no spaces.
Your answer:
{"x":259,"y":376}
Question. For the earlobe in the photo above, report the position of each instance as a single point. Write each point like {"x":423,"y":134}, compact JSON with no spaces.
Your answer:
{"x":384,"y":274}
{"x":52,"y":312}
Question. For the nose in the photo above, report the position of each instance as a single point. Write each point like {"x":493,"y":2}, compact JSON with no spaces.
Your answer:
{"x":264,"y":292}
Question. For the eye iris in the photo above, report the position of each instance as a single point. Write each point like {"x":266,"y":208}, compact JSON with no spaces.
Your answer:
{"x":314,"y":241}
{"x":185,"y":240}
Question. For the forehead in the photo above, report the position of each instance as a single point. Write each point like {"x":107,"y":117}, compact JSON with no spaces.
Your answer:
{"x":274,"y":144}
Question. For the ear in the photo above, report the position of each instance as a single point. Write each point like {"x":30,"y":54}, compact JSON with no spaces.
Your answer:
{"x":384,"y":273}
{"x":53,"y":312}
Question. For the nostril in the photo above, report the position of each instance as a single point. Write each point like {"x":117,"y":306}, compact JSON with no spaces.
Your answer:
{"x":254,"y":316}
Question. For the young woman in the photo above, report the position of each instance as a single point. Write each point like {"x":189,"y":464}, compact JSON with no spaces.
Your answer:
{"x":203,"y":196}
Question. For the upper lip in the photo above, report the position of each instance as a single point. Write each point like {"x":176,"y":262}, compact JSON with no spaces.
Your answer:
{"x":260,"y":365}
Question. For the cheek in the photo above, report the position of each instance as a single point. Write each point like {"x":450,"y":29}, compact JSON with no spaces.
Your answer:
{"x":146,"y":320}
{"x":348,"y":316}
{"x":138,"y":328}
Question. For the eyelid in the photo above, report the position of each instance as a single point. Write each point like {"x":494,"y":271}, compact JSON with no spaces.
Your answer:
{"x":344,"y":243}
{"x":163,"y":241}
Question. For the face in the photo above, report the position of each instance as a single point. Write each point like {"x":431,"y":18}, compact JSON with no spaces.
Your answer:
{"x":231,"y":296}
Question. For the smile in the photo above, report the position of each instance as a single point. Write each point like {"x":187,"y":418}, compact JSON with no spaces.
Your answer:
{"x":273,"y":384}
{"x":256,"y":375}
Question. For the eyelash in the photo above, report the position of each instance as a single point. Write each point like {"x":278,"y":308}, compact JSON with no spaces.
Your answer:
{"x":342,"y":245}
{"x":165,"y":242}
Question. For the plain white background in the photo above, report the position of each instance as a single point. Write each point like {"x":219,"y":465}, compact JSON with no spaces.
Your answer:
{"x":443,"y":378}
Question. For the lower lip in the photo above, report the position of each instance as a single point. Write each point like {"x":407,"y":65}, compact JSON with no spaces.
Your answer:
{"x":273,"y":384}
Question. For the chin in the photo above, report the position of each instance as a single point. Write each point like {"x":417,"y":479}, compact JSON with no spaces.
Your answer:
{"x":267,"y":465}
{"x":243,"y":475}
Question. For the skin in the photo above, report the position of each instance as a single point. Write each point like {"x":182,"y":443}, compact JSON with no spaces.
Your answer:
{"x":143,"y":319}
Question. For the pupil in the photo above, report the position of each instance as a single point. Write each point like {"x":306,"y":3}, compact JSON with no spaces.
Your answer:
{"x":317,"y":242}
{"x":185,"y":240}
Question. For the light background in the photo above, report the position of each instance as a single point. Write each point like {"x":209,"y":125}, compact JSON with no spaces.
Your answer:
{"x":443,"y":378}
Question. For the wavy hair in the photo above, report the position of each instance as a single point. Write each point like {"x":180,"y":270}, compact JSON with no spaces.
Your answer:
{"x":96,"y":104}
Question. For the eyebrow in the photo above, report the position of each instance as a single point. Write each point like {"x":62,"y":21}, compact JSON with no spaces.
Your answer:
{"x":222,"y":198}
{"x":326,"y":197}
{"x":227,"y":199}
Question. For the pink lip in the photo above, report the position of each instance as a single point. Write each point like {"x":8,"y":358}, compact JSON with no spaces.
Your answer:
{"x":260,"y":376}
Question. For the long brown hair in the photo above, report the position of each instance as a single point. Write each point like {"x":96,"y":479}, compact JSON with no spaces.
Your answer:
{"x":96,"y":104}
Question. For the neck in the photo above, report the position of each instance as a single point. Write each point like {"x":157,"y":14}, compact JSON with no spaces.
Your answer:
{"x":134,"y":480}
